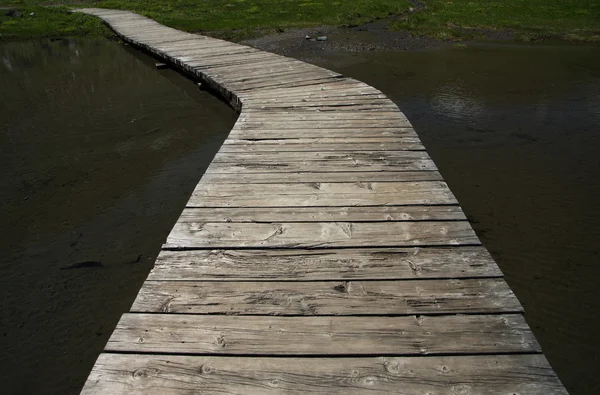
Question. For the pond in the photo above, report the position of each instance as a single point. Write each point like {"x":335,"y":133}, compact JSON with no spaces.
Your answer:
{"x":515,"y":132}
{"x":99,"y":154}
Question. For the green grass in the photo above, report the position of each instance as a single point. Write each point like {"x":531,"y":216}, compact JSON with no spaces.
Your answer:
{"x":227,"y":18}
{"x":48,"y":22}
{"x":577,"y":20}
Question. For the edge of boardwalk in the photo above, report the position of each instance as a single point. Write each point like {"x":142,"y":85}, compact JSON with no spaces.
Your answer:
{"x":441,"y":321}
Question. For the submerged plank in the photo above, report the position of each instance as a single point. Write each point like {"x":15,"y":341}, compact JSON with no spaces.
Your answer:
{"x":330,"y":264}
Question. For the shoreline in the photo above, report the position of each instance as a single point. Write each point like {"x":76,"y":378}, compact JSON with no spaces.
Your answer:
{"x":374,"y":32}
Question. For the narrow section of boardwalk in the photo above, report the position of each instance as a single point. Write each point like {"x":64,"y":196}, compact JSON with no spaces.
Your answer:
{"x":320,"y":253}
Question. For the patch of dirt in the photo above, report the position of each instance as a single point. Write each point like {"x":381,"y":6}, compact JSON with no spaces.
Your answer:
{"x":370,"y":37}
{"x":357,"y":39}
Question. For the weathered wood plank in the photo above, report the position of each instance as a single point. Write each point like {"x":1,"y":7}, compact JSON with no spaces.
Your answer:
{"x":354,"y":157}
{"x":324,"y":166}
{"x":319,"y":194}
{"x":328,"y":297}
{"x":322,"y":144}
{"x":270,"y":133}
{"x":312,"y":116}
{"x":291,"y":82}
{"x":264,"y":335}
{"x":319,"y":147}
{"x":281,"y":124}
{"x":329,"y":264}
{"x":122,"y":374}
{"x":323,"y":214}
{"x":320,"y":234}
{"x":307,"y":177}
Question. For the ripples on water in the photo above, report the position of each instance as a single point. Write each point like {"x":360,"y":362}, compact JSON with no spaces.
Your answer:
{"x":99,"y":152}
{"x":515,"y":131}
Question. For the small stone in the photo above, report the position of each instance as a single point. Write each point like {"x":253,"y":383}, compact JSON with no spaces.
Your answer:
{"x":13,"y":13}
{"x":322,"y":38}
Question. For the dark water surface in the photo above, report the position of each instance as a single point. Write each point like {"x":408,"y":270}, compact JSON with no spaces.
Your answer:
{"x":99,"y":152}
{"x":515,"y":131}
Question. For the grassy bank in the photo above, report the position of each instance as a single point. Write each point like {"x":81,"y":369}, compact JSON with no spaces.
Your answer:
{"x":525,"y":20}
{"x":29,"y":20}
{"x":231,"y":19}
{"x":577,"y":20}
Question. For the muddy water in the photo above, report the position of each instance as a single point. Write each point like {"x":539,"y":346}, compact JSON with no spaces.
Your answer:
{"x":99,"y":152}
{"x":515,"y":131}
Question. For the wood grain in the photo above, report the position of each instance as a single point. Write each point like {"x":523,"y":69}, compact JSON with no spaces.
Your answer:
{"x":313,"y":177}
{"x":319,"y":234}
{"x":330,"y":264}
{"x":327,"y":297}
{"x":321,"y":194}
{"x":323,"y":214}
{"x":122,"y":374}
{"x":264,"y":335}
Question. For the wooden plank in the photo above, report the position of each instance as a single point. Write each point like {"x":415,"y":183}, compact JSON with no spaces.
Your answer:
{"x":345,"y":84}
{"x":255,"y":71}
{"x":339,"y":96}
{"x":321,"y":194}
{"x":354,"y":157}
{"x":270,"y":133}
{"x":323,"y":144}
{"x":319,"y":108}
{"x":325,"y":166}
{"x":311,"y":116}
{"x":320,"y":234}
{"x":328,"y":297}
{"x":329,"y":264}
{"x":123,"y":374}
{"x":264,"y":335}
{"x":306,"y":177}
{"x":323,"y":214}
{"x":282,"y":83}
{"x":266,"y":80}
{"x":281,"y":124}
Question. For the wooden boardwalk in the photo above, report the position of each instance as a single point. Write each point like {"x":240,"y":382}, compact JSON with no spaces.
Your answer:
{"x":320,"y":253}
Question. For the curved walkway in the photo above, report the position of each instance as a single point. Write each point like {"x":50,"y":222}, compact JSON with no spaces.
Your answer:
{"x":320,"y":253}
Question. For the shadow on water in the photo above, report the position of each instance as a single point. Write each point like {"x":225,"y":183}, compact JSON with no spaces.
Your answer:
{"x":515,"y":132}
{"x":99,"y":152}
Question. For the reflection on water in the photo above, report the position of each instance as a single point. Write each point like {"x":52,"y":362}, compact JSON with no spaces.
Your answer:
{"x":515,"y":132}
{"x":98,"y":154}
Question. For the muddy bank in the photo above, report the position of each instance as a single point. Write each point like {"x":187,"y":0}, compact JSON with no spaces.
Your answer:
{"x":371,"y":37}
{"x":99,"y":154}
{"x":367,"y":38}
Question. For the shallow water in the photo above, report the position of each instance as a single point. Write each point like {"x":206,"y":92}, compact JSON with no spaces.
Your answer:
{"x":99,"y":152}
{"x":515,"y":131}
